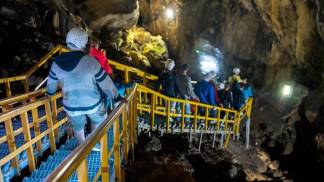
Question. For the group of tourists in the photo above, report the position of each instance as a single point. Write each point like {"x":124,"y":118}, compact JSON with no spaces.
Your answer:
{"x":232,"y":93}
{"x":84,"y":75}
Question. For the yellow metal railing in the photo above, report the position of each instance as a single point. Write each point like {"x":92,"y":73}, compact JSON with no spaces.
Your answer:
{"x":14,"y":101}
{"x":140,"y":100}
{"x":124,"y":140}
{"x":50,"y":119}
{"x":126,"y":113}
{"x":128,"y":71}
{"x":25,"y":77}
{"x":157,"y":104}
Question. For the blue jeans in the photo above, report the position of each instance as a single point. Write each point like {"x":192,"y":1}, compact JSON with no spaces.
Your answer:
{"x":177,"y":107}
{"x":78,"y":122}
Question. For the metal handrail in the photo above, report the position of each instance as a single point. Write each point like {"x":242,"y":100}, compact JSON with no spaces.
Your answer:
{"x":74,"y":160}
{"x":51,"y":112}
{"x":60,"y":49}
{"x":26,"y":76}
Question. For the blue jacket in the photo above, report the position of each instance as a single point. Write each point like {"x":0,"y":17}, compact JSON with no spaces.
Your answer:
{"x":82,"y":79}
{"x":205,"y":92}
{"x":248,"y":92}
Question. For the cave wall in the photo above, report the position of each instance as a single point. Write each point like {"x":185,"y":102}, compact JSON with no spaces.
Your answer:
{"x":275,"y":42}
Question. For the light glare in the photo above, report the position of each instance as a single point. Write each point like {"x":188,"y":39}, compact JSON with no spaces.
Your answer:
{"x":207,"y":64}
{"x":287,"y":90}
{"x":170,"y":13}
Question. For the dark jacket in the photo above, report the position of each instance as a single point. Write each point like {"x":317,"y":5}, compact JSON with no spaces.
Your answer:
{"x":238,"y":97}
{"x":226,"y":97}
{"x":169,"y":84}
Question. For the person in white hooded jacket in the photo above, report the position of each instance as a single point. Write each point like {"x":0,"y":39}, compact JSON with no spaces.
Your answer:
{"x":82,"y":80}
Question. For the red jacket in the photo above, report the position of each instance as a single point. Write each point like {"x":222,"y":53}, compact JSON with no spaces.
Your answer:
{"x":216,"y":92}
{"x":102,"y":59}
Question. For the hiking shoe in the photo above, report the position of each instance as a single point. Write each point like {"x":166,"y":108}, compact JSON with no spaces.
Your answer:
{"x":96,"y":148}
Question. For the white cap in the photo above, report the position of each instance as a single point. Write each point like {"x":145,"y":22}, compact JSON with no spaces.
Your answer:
{"x":77,"y":39}
{"x":169,"y":64}
{"x":236,"y":70}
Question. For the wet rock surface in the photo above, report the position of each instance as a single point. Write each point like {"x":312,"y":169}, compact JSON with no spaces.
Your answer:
{"x":210,"y":164}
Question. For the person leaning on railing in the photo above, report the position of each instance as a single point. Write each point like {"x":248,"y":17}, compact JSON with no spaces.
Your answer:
{"x":80,"y":77}
{"x":170,"y":88}
{"x":186,"y":89}
{"x":206,"y":93}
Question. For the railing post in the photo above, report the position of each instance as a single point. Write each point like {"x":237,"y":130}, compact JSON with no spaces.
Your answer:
{"x":54,"y":117}
{"x":168,"y":116}
{"x":126,"y":75}
{"x":11,"y":143}
{"x":153,"y":98}
{"x":237,"y":123}
{"x":226,"y":120}
{"x":82,"y":171}
{"x":140,"y":101}
{"x":125,"y":142}
{"x":206,"y":120}
{"x":26,"y":84}
{"x":125,"y":138}
{"x":117,"y":150}
{"x":196,"y":117}
{"x":132,"y":124}
{"x":218,"y":118}
{"x":248,"y":122}
{"x":104,"y":158}
{"x":50,"y":125}
{"x":135,"y":117}
{"x":37,"y":129}
{"x":183,"y":118}
{"x":227,"y":140}
{"x":27,"y":137}
{"x":8,"y":89}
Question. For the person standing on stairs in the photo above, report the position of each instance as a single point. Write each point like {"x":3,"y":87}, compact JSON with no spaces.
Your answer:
{"x":216,"y":89}
{"x":82,"y":79}
{"x":226,"y":96}
{"x":206,"y":93}
{"x":186,"y":89}
{"x":170,"y":88}
{"x":236,"y":76}
{"x":247,"y":90}
{"x":238,"y":95}
{"x":100,"y":56}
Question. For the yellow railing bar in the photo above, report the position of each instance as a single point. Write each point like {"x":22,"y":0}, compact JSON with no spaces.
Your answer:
{"x":43,"y":60}
{"x":12,"y":79}
{"x":21,"y":97}
{"x":59,"y":49}
{"x":22,"y":112}
{"x":75,"y":160}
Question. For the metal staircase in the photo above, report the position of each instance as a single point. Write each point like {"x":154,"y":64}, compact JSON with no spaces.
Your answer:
{"x":143,"y":109}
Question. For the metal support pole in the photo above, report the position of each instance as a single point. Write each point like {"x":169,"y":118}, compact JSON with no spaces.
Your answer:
{"x":222,"y":140}
{"x":201,"y":134}
{"x":248,"y":123}
{"x":214,"y":139}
